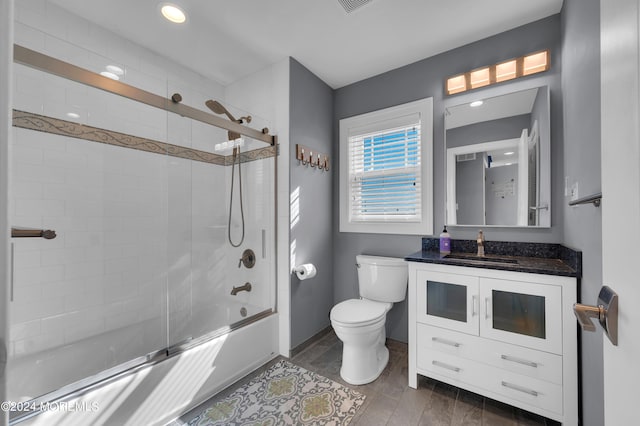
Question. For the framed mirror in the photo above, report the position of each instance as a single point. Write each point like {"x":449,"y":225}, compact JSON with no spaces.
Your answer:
{"x":498,"y":163}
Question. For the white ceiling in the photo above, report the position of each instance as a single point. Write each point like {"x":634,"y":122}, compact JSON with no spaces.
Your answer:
{"x":226,"y":40}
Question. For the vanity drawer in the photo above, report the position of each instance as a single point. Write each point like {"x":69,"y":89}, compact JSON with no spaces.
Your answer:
{"x":534,"y":392}
{"x":449,"y":366}
{"x":528,"y":362}
{"x":476,"y":376}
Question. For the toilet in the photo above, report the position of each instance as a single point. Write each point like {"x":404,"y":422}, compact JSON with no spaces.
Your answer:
{"x":360,"y":323}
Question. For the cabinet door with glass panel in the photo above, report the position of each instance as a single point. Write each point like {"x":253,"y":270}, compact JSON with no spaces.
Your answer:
{"x":517,"y":312}
{"x":522,"y":313}
{"x":448,"y":301}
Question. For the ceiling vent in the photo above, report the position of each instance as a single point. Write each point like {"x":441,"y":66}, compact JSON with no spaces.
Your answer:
{"x":351,"y":5}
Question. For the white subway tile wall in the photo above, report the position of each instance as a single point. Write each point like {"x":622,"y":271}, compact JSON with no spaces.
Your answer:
{"x":141,"y":255}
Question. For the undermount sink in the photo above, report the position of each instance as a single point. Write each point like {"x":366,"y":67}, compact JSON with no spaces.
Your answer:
{"x":473,"y":257}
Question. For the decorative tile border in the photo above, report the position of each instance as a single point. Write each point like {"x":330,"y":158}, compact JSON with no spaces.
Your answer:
{"x":41,"y":123}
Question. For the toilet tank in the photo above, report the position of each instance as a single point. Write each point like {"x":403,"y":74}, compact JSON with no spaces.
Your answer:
{"x":382,"y":278}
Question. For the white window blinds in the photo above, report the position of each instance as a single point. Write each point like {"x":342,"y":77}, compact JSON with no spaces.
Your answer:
{"x":386,"y":170}
{"x":385,"y":174}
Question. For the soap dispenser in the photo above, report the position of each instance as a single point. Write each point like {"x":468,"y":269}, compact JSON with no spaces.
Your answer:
{"x":445,"y":241}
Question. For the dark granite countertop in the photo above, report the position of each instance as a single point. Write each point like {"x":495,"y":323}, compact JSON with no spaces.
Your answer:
{"x":537,"y":258}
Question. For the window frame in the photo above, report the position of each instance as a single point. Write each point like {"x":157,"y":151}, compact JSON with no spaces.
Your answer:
{"x":381,"y":120}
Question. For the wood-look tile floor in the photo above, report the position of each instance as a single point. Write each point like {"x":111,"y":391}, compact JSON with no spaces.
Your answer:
{"x":390,"y":401}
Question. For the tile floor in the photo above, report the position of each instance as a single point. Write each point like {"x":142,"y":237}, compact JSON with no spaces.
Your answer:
{"x":391,"y":402}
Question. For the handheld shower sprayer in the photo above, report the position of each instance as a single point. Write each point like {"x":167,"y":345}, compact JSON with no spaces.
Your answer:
{"x":219,"y":109}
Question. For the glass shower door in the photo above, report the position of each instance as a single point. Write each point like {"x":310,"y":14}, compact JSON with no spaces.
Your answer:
{"x":205,"y":264}
{"x":97,"y":292}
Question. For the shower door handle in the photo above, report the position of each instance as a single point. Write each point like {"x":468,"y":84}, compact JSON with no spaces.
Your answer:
{"x":47,"y":234}
{"x":542,"y":207}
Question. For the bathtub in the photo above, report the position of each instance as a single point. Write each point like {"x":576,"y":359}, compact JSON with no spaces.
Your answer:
{"x":170,"y":384}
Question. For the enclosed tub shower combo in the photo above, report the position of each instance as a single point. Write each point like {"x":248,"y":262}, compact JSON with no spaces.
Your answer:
{"x":144,"y":243}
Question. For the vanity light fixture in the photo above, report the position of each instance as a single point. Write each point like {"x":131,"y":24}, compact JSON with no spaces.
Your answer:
{"x":479,"y":78}
{"x":506,"y":70}
{"x":173,"y":13}
{"x":513,"y":68}
{"x":456,"y":84}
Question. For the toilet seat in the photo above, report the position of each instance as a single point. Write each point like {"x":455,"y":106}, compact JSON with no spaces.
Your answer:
{"x":359,"y":312}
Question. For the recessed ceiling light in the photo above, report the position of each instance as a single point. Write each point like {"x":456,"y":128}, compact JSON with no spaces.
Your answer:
{"x":509,"y":153}
{"x":476,"y":103}
{"x":173,"y":13}
{"x":115,"y":69}
{"x":73,"y":115}
{"x":508,"y":164}
{"x":110,"y":75}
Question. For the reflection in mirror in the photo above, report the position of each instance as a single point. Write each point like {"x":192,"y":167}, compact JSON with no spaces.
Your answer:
{"x":498,"y":161}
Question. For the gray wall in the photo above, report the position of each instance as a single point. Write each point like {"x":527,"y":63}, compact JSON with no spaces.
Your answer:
{"x":311,"y":121}
{"x":426,"y":79}
{"x":583,"y":225}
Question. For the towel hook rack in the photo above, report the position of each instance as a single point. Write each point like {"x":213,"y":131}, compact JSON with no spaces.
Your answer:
{"x":308,"y":157}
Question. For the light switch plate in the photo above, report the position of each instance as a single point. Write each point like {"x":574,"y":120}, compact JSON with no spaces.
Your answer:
{"x":573,"y":193}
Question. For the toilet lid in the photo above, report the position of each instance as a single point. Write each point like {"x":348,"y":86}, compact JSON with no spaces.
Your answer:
{"x":358,"y":311}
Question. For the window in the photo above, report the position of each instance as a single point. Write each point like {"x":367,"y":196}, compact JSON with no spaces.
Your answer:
{"x":386,"y":170}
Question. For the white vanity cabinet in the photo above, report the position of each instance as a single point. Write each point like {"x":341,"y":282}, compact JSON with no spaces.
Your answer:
{"x":510,"y":336}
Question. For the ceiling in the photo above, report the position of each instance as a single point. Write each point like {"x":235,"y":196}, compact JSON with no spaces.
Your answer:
{"x":227,"y":40}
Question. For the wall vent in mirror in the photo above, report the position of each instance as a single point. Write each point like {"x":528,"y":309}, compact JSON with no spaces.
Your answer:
{"x":507,"y":70}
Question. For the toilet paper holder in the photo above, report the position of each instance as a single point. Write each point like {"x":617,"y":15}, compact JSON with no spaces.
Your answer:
{"x":305,"y":271}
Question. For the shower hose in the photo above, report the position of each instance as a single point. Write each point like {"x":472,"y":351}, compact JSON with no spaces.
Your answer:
{"x":236,"y":152}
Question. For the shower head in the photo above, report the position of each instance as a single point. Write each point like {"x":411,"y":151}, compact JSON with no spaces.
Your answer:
{"x":218,"y":108}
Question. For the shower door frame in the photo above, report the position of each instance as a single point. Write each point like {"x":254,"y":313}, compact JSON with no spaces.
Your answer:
{"x":48,"y":64}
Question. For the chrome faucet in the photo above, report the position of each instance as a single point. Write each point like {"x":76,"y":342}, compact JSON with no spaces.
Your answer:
{"x":245,"y":287}
{"x":480,"y":241}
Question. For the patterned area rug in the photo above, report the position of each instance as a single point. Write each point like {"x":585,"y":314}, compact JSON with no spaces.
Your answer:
{"x":285,"y":394}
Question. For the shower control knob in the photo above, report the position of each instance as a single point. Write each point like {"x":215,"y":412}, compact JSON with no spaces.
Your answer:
{"x":248,"y":259}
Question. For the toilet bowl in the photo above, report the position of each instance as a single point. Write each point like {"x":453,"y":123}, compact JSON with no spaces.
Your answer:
{"x":360,"y":323}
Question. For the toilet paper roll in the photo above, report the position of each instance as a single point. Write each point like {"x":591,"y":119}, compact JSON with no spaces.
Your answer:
{"x":306,"y":271}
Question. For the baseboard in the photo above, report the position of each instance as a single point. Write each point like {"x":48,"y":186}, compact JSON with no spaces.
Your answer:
{"x":310,"y":341}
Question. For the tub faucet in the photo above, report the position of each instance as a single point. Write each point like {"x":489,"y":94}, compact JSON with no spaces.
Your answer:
{"x":245,"y":287}
{"x":480,"y":241}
